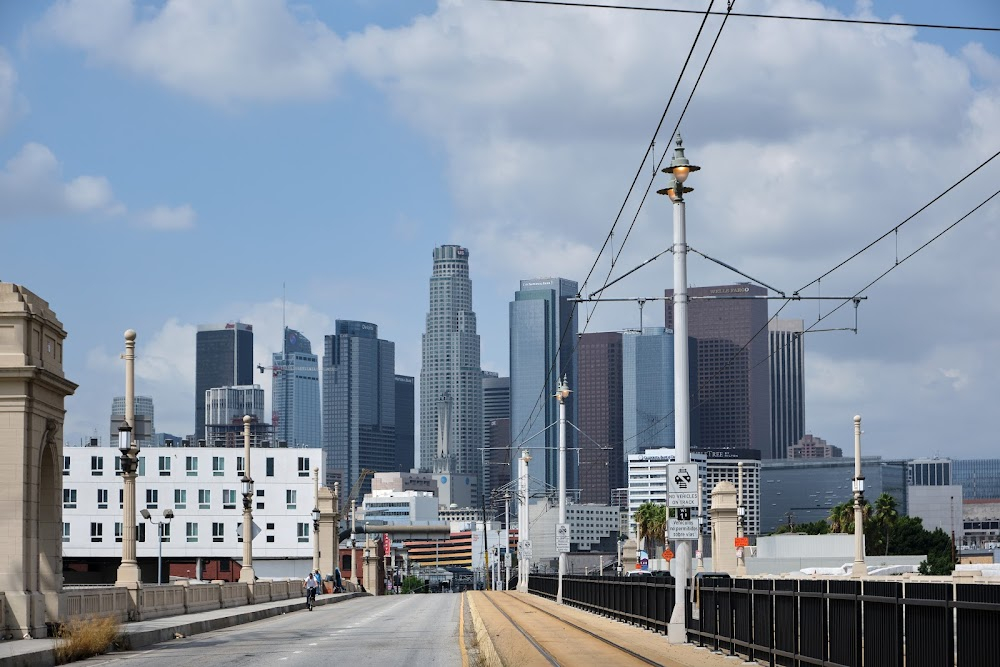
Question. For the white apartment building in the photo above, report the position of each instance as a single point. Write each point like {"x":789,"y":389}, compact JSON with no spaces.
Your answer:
{"x":588,"y":525}
{"x":647,"y":482}
{"x":202,"y":487}
{"x":400,"y":506}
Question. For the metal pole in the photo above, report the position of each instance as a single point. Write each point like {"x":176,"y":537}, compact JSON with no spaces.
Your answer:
{"x":316,"y":523}
{"x":354,"y":549}
{"x":859,"y":569}
{"x":159,"y":553}
{"x":523,"y":524}
{"x":741,"y":565}
{"x":701,"y":529}
{"x":506,"y":542}
{"x":676,"y":630}
{"x":128,"y":571}
{"x":562,"y":481}
{"x":247,"y":573}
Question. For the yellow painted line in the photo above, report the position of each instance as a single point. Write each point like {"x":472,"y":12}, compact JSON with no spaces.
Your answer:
{"x":461,"y":632}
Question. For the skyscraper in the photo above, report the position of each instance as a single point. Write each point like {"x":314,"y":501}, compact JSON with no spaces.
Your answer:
{"x":295,"y":405}
{"x":143,"y":428}
{"x":733,"y":403}
{"x":225,"y":408}
{"x":450,"y":370}
{"x":543,"y":328}
{"x":599,"y":398}
{"x":223,"y":358}
{"x":359,"y":402}
{"x":405,"y":423}
{"x":788,"y":402}
{"x":496,"y":430}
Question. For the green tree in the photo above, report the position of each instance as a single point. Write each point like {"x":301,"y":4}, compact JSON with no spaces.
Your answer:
{"x":885,"y":518}
{"x":651,"y":522}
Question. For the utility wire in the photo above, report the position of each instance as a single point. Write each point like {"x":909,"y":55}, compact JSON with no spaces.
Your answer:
{"x":782,"y":17}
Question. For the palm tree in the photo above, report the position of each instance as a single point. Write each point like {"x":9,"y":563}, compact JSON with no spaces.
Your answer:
{"x":836,"y":516}
{"x":651,"y":520}
{"x":886,"y":515}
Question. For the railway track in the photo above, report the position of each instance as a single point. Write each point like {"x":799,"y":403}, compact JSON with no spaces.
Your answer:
{"x":561,"y":642}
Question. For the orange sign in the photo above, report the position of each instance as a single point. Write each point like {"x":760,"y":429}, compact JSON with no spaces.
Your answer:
{"x":742,"y":541}
{"x":668,"y":555}
{"x":638,"y":566}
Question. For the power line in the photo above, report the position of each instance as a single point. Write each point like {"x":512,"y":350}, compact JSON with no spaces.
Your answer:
{"x":782,"y":17}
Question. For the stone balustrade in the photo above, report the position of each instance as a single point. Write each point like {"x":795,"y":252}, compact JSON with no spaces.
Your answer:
{"x":85,"y":602}
{"x":160,"y":601}
{"x":234,"y":594}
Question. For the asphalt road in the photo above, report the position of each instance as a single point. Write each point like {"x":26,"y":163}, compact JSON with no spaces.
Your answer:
{"x":378,"y":631}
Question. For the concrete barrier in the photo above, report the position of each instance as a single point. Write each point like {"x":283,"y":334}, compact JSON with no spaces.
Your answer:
{"x":160,"y":601}
{"x":201,"y":597}
{"x":262,"y":591}
{"x":234,"y":594}
{"x":85,"y":602}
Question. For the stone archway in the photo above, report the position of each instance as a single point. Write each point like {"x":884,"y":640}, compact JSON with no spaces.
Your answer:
{"x":32,"y":394}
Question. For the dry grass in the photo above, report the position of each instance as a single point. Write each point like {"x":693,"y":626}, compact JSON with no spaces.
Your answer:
{"x":82,"y":638}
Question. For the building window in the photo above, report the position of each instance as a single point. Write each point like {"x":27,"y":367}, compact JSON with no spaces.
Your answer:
{"x":239,"y":466}
{"x":140,"y":532}
{"x":164,"y":466}
{"x":119,"y":531}
{"x":102,"y":499}
{"x":270,"y":526}
{"x":290,"y":496}
{"x":118,"y":465}
{"x":260,"y":499}
{"x":69,"y":499}
{"x":218,"y":532}
{"x":96,"y":466}
{"x":96,"y":532}
{"x":121,"y":498}
{"x":66,"y":461}
{"x":270,"y":538}
{"x":180,"y":499}
{"x":191,"y":466}
{"x":192,"y":532}
{"x":65,"y":532}
{"x":204,"y":499}
{"x":303,"y":532}
{"x":303,"y":466}
{"x":142,"y":466}
{"x":152,"y":498}
{"x":229,"y":499}
{"x":166,"y":532}
{"x":270,"y":466}
{"x":218,"y":466}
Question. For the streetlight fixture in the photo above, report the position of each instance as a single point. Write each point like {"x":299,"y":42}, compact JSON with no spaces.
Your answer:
{"x":858,"y":569}
{"x":246,"y":483}
{"x":167,"y":516}
{"x":562,"y":393}
{"x":128,"y":571}
{"x":680,"y":168}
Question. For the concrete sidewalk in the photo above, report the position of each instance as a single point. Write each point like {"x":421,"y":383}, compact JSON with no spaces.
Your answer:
{"x":41,"y":652}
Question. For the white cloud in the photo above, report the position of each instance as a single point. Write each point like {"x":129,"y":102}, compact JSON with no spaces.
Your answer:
{"x":32,"y":186}
{"x":226,"y":51}
{"x":12,"y":103}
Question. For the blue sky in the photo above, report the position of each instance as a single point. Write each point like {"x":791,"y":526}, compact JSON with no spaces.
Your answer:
{"x":176,"y":163}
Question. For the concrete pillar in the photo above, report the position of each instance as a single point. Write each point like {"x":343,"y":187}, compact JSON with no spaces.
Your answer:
{"x":372,"y":559}
{"x":724,"y":519}
{"x":329,"y":529}
{"x":630,"y":552}
{"x":32,"y":393}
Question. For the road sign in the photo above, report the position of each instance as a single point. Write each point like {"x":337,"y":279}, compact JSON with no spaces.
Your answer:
{"x":682,"y":484}
{"x":254,"y":530}
{"x":562,"y":538}
{"x":682,"y":530}
{"x":683,"y":514}
{"x":524,"y":546}
{"x":668,"y":555}
{"x":742,"y":542}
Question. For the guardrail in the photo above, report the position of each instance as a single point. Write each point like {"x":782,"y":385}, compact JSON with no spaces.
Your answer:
{"x":643,"y":600}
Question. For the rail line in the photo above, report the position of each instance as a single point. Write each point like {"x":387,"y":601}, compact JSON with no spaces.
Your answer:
{"x":546,"y":654}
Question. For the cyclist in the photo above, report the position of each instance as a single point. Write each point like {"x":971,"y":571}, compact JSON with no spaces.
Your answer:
{"x":312,"y":583}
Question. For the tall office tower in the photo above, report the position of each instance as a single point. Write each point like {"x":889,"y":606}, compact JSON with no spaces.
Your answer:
{"x":734,"y":399}
{"x":543,"y":328}
{"x":647,"y":390}
{"x":405,"y":423}
{"x":223,"y":358}
{"x":788,"y":401}
{"x":225,"y":408}
{"x":450,"y":369}
{"x":599,"y":398}
{"x":496,"y":407}
{"x":295,"y":407}
{"x":142,"y":429}
{"x":359,"y":403}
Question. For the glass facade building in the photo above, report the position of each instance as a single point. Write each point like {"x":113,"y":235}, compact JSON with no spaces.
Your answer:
{"x":359,"y":403}
{"x":599,"y":396}
{"x":405,"y":423}
{"x":788,"y":402}
{"x":980,"y":478}
{"x":223,"y":358}
{"x":929,"y":472}
{"x":450,"y":370}
{"x":496,"y":430}
{"x":543,"y":339}
{"x":803,"y":491}
{"x":143,"y":430}
{"x":295,"y":401}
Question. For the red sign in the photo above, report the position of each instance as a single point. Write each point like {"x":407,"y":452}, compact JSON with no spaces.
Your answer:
{"x":387,"y":542}
{"x":668,"y":555}
{"x":742,"y":541}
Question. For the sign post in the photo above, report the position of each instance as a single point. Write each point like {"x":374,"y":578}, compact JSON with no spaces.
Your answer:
{"x":562,"y":538}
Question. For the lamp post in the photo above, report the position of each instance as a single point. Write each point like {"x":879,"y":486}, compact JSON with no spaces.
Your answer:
{"x":741,"y":511}
{"x":523,"y":525}
{"x":167,"y":516}
{"x":315,"y":518}
{"x":621,"y":544}
{"x":354,"y":549}
{"x":700,"y":555}
{"x":128,"y":571}
{"x":858,"y":569}
{"x":506,"y":541}
{"x":562,"y":393}
{"x":680,"y":167}
{"x":247,"y":573}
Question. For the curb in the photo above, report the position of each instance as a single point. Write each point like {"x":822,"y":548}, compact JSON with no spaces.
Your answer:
{"x":484,"y":642}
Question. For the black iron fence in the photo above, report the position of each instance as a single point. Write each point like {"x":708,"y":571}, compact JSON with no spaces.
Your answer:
{"x":799,"y":622}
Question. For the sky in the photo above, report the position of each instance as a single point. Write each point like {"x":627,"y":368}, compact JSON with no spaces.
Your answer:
{"x":170,"y":164}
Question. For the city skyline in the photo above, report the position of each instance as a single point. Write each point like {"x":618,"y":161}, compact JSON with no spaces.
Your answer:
{"x":516,"y":138}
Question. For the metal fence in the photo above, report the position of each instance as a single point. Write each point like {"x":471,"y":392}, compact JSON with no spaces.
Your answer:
{"x":800,"y":622}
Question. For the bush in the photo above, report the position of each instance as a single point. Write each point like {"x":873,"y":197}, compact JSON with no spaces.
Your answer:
{"x":412,"y":584}
{"x":84,"y":638}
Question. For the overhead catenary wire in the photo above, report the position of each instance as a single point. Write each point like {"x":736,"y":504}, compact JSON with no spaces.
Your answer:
{"x":752,"y":15}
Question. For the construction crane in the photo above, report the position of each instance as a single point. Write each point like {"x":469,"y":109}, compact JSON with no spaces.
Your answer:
{"x":354,"y":489}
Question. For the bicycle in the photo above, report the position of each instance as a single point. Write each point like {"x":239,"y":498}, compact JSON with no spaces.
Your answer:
{"x":310,"y":598}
